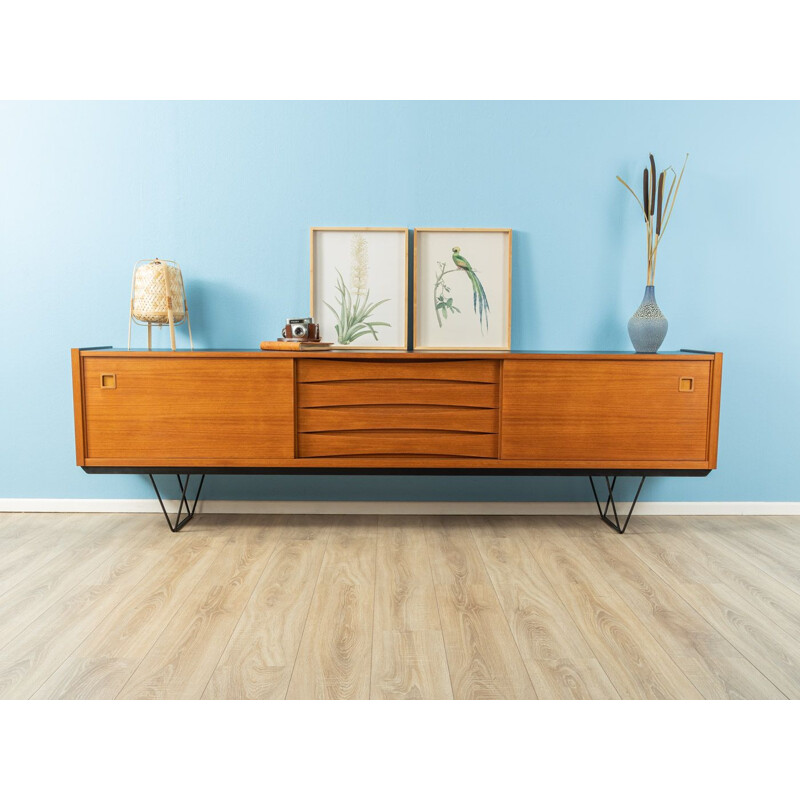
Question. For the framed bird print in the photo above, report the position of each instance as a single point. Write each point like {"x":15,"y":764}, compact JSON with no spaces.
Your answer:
{"x":462,"y":289}
{"x":359,"y":287}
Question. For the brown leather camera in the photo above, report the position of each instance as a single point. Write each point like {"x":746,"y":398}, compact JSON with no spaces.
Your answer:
{"x":301,"y":330}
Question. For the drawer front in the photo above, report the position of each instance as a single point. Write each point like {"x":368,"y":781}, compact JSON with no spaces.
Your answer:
{"x":615,"y":412}
{"x":394,"y":417}
{"x":153,"y":411}
{"x":441,"y":408}
{"x":392,"y":443}
{"x":397,"y":392}
{"x":313,"y":370}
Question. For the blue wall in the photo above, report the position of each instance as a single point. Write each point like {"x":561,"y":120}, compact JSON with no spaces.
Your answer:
{"x":230,"y":190}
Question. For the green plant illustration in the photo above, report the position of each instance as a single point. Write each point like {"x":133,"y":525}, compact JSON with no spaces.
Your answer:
{"x":359,"y":270}
{"x":443,"y":303}
{"x":353,"y":314}
{"x":352,"y":318}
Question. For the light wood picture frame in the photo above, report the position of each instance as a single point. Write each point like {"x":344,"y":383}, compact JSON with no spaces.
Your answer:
{"x":359,"y":287}
{"x":462,"y":288}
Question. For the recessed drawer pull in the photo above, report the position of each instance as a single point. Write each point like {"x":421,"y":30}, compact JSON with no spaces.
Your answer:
{"x":686,"y":385}
{"x":108,"y":380}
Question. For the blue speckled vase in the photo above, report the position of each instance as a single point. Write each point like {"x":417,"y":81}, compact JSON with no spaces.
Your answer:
{"x":648,"y":326}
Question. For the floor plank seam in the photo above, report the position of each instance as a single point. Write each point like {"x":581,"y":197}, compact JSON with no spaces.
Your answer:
{"x":710,"y":622}
{"x":374,"y":599}
{"x":438,"y":609}
{"x":600,"y":660}
{"x":743,"y":595}
{"x":742,"y":553}
{"x":171,"y":617}
{"x":47,"y":608}
{"x":241,"y":614}
{"x":440,"y":628}
{"x":717,"y":629}
{"x":99,"y":622}
{"x":633,"y":615}
{"x":652,"y":628}
{"x":330,"y":524}
{"x":85,"y":535}
{"x":21,"y":545}
{"x":500,"y":604}
{"x":597,"y":527}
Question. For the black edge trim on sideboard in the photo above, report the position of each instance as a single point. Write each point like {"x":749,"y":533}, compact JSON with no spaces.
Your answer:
{"x":677,"y":473}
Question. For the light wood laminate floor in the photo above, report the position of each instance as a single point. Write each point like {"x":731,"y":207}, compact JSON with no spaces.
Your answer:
{"x":267,"y":607}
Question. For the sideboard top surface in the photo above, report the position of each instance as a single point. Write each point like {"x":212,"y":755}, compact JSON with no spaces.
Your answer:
{"x":427,"y":355}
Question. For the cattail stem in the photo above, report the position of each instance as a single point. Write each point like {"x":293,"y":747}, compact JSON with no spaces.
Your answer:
{"x":653,"y":271}
{"x":657,"y":210}
{"x":653,"y":185}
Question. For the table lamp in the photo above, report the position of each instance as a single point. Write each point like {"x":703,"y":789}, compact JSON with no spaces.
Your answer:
{"x":158,"y":298}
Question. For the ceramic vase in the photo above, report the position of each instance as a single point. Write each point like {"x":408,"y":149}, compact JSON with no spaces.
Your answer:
{"x":648,"y":326}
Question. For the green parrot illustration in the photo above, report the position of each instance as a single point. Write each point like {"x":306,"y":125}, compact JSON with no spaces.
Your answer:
{"x":479,"y":302}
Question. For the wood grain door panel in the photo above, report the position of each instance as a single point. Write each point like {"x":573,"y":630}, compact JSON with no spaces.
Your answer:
{"x":188,"y":411}
{"x":615,"y":412}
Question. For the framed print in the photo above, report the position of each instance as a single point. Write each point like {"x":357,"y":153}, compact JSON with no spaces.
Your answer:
{"x":462,"y":289}
{"x":359,"y":286}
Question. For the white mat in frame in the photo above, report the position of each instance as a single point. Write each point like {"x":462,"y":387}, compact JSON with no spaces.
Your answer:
{"x":359,"y":286}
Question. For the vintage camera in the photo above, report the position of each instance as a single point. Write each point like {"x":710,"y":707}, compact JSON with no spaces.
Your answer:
{"x":301,"y":330}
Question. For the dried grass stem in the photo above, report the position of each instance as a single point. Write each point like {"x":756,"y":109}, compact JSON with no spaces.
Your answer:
{"x":653,"y":205}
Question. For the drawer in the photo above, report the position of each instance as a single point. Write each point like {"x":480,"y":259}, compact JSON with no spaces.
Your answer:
{"x":400,"y":392}
{"x":397,"y":417}
{"x":397,"y":443}
{"x":320,"y":370}
{"x":393,"y":408}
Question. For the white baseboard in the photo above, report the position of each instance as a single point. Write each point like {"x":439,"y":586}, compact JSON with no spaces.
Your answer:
{"x":390,"y":507}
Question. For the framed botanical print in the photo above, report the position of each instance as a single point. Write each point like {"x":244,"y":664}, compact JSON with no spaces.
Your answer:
{"x":462,"y":289}
{"x":359,"y":286}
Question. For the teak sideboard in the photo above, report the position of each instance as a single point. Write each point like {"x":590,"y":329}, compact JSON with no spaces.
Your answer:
{"x":595,"y":414}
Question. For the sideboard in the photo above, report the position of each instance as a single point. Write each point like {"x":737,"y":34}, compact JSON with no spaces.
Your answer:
{"x":601,"y":415}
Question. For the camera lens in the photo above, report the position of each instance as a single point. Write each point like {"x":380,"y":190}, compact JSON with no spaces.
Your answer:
{"x":299,"y":330}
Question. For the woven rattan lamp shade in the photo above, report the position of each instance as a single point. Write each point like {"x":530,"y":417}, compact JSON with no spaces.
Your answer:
{"x":158,"y":297}
{"x":154,"y":283}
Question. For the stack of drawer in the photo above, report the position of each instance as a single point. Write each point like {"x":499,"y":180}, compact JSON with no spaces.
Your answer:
{"x":397,"y":408}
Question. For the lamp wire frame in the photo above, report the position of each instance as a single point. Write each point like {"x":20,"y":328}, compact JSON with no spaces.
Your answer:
{"x":166,"y":265}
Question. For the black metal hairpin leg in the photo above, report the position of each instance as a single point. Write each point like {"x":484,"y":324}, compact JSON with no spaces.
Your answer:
{"x":184,"y":503}
{"x":604,"y":511}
